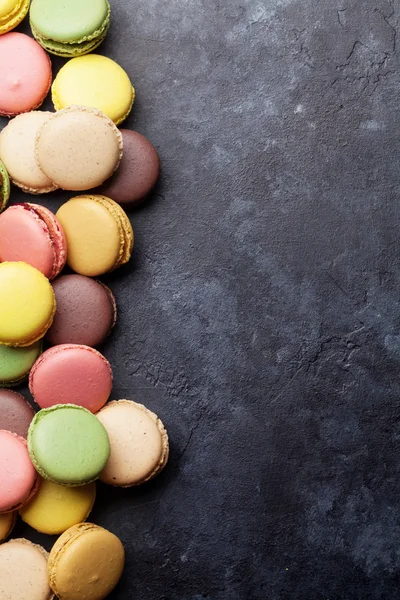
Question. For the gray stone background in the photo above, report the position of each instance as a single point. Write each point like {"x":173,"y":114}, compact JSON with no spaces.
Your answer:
{"x":259,"y":316}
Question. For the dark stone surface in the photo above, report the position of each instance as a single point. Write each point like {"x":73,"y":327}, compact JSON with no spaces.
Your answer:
{"x":260,"y":315}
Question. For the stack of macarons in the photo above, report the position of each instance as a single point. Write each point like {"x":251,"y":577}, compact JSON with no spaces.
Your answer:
{"x":54,"y":449}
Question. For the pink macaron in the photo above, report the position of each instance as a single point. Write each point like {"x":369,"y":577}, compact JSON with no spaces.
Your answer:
{"x":31,"y":233}
{"x":71,"y":374}
{"x":18,"y":478}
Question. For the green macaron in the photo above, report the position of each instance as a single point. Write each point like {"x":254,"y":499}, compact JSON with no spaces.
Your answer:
{"x":4,"y":187}
{"x":68,"y":444}
{"x":70,"y":28}
{"x":15,"y":363}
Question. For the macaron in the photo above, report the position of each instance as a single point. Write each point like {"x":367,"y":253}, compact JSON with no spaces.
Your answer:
{"x":7,"y":524}
{"x":139,"y":443}
{"x":71,"y":374}
{"x":137,"y":173}
{"x":70,"y":28}
{"x":15,"y":364}
{"x":86,"y":311}
{"x":27,"y":304}
{"x":4,"y":187}
{"x":23,"y":571}
{"x":16,"y":413}
{"x":25,"y":74}
{"x":99,"y":234}
{"x":55,"y":508}
{"x":18,"y":478}
{"x":85,"y":563}
{"x":17,"y":151}
{"x":31,"y":233}
{"x":68,"y":445}
{"x":96,"y":81}
{"x":12,"y":12}
{"x":78,"y":148}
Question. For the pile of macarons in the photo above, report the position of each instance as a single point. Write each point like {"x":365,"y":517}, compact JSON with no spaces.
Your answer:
{"x":52,"y":323}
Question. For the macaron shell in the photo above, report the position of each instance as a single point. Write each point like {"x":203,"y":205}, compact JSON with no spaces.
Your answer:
{"x":95,"y":81}
{"x":55,"y":507}
{"x":7,"y":523}
{"x":138,"y":440}
{"x":25,"y":74}
{"x":71,"y":374}
{"x":17,"y":474}
{"x":12,"y":12}
{"x":4,"y":187}
{"x":15,"y":364}
{"x":86,"y":563}
{"x":23,"y":571}
{"x":16,"y":413}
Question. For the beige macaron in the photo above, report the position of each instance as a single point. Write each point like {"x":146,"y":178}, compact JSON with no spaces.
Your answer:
{"x":23,"y":571}
{"x":78,"y":148}
{"x":138,"y":440}
{"x":17,"y":152}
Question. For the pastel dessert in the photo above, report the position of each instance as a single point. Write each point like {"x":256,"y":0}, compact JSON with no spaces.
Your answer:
{"x":18,"y":478}
{"x":27,"y":304}
{"x":15,"y":364}
{"x":71,"y":374}
{"x":99,"y":234}
{"x":55,"y":457}
{"x":78,"y":148}
{"x":139,"y":443}
{"x":16,"y":413}
{"x":23,"y":571}
{"x":95,"y":81}
{"x":17,"y":151}
{"x":85,"y":563}
{"x":25,"y":74}
{"x":4,"y":187}
{"x":70,"y":28}
{"x":31,"y":233}
{"x":7,"y":524}
{"x":86,"y":311}
{"x":137,"y":173}
{"x":12,"y":12}
{"x":55,"y":508}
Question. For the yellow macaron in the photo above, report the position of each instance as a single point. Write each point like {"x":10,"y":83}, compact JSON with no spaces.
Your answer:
{"x":95,"y":81}
{"x":11,"y":13}
{"x":99,"y":234}
{"x":7,"y":522}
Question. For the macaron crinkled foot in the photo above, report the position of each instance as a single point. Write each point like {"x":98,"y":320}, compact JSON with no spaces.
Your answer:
{"x":56,"y":27}
{"x":95,"y":81}
{"x":16,"y":413}
{"x":12,"y":12}
{"x":78,"y":148}
{"x":71,"y":374}
{"x":23,"y":571}
{"x":99,"y":234}
{"x":7,"y":524}
{"x":4,"y":187}
{"x":68,"y":445}
{"x":85,"y":563}
{"x":18,"y":478}
{"x":17,"y":151}
{"x":27,"y":304}
{"x":25,"y":74}
{"x":138,"y":440}
{"x":31,"y":233}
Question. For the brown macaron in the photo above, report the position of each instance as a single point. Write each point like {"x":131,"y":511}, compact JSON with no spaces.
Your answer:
{"x":137,"y":173}
{"x":16,"y":413}
{"x":86,"y":311}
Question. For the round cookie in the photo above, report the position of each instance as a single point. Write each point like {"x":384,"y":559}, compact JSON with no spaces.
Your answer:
{"x":16,"y":413}
{"x":86,"y":311}
{"x":99,"y":234}
{"x":27,"y":304}
{"x":85,"y":563}
{"x":95,"y":81}
{"x":53,"y":454}
{"x":139,"y":443}
{"x":4,"y":187}
{"x":25,"y":74}
{"x":23,"y":571}
{"x":17,"y":151}
{"x":78,"y":148}
{"x":7,"y":524}
{"x":70,"y":28}
{"x":15,"y":364}
{"x":12,"y":12}
{"x":137,"y":173}
{"x":55,"y":508}
{"x":18,"y":478}
{"x":73,"y":374}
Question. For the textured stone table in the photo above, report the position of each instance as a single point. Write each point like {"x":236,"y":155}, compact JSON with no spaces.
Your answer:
{"x":260,"y":315}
